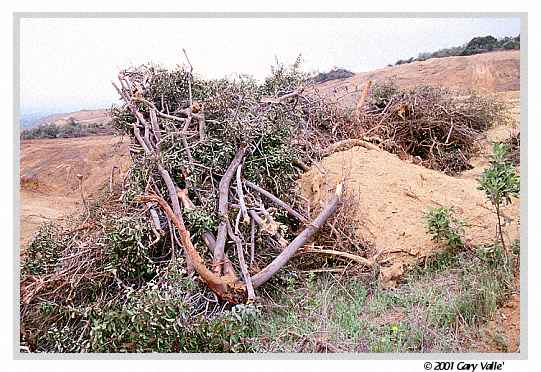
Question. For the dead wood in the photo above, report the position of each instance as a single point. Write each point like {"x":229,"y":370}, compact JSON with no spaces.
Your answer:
{"x":154,"y":218}
{"x":240,"y":194}
{"x":265,"y":274}
{"x":242,"y":262}
{"x":233,"y":292}
{"x":281,"y":99}
{"x":276,"y":201}
{"x":223,"y":209}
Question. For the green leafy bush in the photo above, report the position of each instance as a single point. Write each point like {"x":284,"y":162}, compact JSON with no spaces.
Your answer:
{"x":334,"y":74}
{"x":476,"y":45}
{"x":127,"y":254}
{"x":443,"y":227}
{"x":44,"y":251}
{"x":500,"y":182}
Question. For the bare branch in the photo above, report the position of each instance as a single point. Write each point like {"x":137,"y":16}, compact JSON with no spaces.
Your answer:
{"x":223,"y":208}
{"x":240,"y":194}
{"x":349,"y":256}
{"x":233,"y":292}
{"x":242,"y":262}
{"x":276,"y":201}
{"x":265,"y":274}
{"x":280,"y":99}
{"x":154,"y":218}
{"x":252,"y":241}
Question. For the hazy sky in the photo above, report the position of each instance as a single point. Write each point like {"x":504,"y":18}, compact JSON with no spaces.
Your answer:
{"x":68,"y":64}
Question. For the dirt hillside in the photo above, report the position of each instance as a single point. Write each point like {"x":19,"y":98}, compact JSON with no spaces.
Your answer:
{"x":83,"y":117}
{"x":487,"y":73}
{"x":48,"y":173}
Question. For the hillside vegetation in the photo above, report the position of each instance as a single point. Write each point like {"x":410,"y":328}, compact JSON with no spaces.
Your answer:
{"x":477,"y":45}
{"x":76,"y":124}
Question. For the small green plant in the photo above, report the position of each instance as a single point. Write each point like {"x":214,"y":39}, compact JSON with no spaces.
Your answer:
{"x":500,"y":182}
{"x":44,"y":250}
{"x":443,"y":227}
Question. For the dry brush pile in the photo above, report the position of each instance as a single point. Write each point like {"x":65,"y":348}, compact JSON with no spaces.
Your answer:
{"x":208,"y":212}
{"x":439,"y":127}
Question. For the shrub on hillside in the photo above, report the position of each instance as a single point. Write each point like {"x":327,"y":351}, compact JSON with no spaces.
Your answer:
{"x":476,"y":45}
{"x":337,"y":73}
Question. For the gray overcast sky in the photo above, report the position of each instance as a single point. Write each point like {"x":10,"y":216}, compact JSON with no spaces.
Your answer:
{"x":68,"y":64}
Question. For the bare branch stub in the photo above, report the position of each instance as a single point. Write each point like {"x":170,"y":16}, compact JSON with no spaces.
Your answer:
{"x":276,"y":200}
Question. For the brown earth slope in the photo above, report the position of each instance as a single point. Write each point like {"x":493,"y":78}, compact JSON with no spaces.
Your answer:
{"x":49,"y":169}
{"x":393,"y":197}
{"x":83,"y":117}
{"x":487,"y":73}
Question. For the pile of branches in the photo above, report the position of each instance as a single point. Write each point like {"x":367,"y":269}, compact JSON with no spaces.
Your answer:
{"x":434,"y":125}
{"x":207,"y":213}
{"x":215,"y":162}
{"x":103,"y":282}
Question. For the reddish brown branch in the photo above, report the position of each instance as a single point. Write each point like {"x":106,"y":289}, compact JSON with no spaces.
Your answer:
{"x":233,"y":292}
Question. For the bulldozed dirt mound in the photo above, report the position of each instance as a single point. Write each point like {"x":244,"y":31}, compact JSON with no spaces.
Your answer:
{"x":394,"y":195}
{"x":48,"y":175}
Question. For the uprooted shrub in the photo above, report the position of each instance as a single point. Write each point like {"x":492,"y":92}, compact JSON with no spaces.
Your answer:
{"x":217,"y":159}
{"x":438,"y":126}
{"x":214,"y":164}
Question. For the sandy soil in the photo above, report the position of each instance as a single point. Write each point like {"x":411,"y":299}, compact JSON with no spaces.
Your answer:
{"x":487,"y":73}
{"x":393,"y":197}
{"x":49,"y":169}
